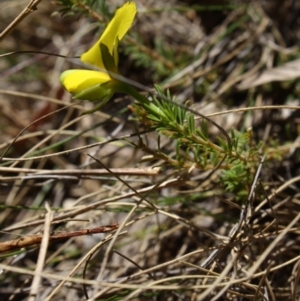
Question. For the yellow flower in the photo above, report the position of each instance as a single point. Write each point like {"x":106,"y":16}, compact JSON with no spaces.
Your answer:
{"x":99,"y":85}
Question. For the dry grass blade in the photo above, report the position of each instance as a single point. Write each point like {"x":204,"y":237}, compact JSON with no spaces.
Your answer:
{"x":42,"y":256}
{"x":288,"y":71}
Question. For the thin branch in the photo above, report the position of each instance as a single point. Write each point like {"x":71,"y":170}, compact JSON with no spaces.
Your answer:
{"x":30,"y":8}
{"x":28,"y":241}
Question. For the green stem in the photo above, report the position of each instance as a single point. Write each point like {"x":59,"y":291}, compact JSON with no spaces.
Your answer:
{"x":149,"y":106}
{"x":125,"y":88}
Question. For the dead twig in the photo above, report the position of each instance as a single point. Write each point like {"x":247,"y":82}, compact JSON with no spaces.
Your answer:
{"x":28,"y":241}
{"x":31,"y":7}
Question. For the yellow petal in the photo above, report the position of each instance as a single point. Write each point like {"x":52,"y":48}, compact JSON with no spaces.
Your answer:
{"x":114,"y":32}
{"x":78,"y":81}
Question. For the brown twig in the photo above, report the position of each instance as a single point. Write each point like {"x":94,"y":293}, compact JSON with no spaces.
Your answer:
{"x":31,"y":7}
{"x":27,"y":241}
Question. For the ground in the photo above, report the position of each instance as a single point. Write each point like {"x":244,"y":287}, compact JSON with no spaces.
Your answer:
{"x":192,"y":196}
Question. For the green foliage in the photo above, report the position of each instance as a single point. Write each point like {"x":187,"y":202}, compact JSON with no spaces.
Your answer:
{"x":192,"y":141}
{"x":83,"y":7}
{"x":194,"y":148}
{"x":237,"y":179}
{"x":162,"y":59}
